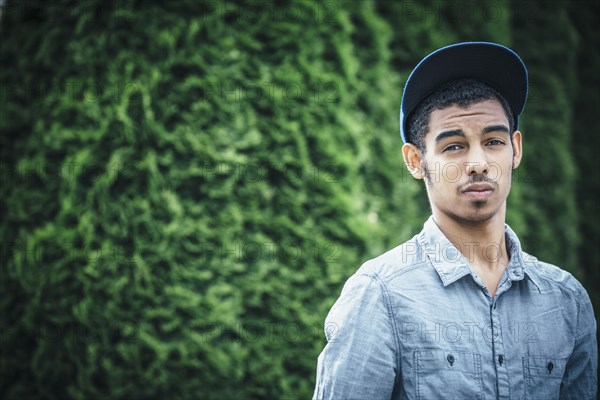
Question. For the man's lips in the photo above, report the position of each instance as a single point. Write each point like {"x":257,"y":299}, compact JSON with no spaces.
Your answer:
{"x":479,"y":190}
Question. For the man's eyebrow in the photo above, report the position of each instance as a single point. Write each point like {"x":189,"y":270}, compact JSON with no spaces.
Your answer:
{"x":458,"y":132}
{"x":445,"y":134}
{"x":495,"y":128}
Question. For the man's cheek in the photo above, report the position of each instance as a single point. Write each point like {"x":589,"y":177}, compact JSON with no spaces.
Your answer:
{"x":495,"y":171}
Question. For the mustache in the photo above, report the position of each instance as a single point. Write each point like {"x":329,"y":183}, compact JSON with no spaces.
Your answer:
{"x":478,"y":179}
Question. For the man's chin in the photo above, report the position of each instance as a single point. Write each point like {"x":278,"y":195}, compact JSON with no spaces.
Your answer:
{"x":479,"y":204}
{"x":478,"y":214}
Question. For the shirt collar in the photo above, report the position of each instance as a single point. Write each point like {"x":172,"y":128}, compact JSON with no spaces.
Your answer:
{"x":451,"y":265}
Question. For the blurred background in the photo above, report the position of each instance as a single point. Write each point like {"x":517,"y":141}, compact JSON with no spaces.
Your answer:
{"x":186,"y":185}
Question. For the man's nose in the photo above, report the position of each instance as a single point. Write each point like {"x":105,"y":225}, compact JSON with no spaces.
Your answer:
{"x":477,"y":163}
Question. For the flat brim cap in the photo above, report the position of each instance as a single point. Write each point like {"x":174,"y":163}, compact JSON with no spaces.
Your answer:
{"x":491,"y":63}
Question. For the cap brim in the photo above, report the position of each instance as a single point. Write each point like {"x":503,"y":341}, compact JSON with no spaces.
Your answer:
{"x":491,"y":63}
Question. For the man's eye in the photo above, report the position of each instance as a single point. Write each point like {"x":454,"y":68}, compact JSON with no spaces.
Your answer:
{"x":496,"y":142}
{"x":452,"y":147}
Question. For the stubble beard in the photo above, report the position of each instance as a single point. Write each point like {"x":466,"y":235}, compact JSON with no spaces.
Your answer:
{"x":473,"y":218}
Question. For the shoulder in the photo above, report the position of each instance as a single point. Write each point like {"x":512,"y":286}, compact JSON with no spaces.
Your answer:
{"x":394,"y":263}
{"x":370,"y":282}
{"x":551,"y":278}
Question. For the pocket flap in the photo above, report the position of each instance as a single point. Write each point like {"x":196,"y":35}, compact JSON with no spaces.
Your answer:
{"x":546,"y":366}
{"x":451,"y":360}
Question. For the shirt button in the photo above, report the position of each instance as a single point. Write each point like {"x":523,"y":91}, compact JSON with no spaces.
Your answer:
{"x":500,"y":359}
{"x":550,"y":367}
{"x":450,"y":359}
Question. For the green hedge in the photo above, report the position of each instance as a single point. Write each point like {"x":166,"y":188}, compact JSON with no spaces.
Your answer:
{"x":187,"y":185}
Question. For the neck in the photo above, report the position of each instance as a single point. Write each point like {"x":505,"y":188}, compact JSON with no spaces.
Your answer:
{"x":482,"y":243}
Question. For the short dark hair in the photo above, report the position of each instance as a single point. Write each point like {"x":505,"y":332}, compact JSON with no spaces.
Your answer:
{"x":461,"y":92}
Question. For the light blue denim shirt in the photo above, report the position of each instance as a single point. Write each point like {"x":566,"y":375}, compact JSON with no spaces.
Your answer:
{"x":418,"y":323}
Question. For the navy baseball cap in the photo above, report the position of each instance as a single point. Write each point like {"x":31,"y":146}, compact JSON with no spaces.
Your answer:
{"x":490,"y":63}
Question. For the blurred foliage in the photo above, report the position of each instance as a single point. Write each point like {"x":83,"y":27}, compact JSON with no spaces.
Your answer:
{"x":585,"y":143}
{"x":186,"y":185}
{"x":549,"y":168}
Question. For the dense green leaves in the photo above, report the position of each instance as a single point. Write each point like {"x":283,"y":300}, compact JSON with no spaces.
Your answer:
{"x":187,"y":185}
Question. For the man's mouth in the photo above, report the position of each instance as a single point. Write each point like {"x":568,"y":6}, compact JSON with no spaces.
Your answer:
{"x":478,"y":191}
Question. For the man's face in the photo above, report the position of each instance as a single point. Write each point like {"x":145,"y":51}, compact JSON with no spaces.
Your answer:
{"x":468,"y":161}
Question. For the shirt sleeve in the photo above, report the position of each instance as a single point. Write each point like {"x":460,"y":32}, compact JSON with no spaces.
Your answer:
{"x":581,"y":375}
{"x":360,"y":359}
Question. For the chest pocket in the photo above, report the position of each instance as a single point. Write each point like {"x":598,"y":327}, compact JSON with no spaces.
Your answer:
{"x":441,"y":374}
{"x":543,"y":376}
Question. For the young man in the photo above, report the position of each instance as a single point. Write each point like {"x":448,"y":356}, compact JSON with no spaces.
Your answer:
{"x":460,"y":311}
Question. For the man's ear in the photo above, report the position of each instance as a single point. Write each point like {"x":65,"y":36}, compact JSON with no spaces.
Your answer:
{"x":517,"y":148}
{"x":412,"y":159}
